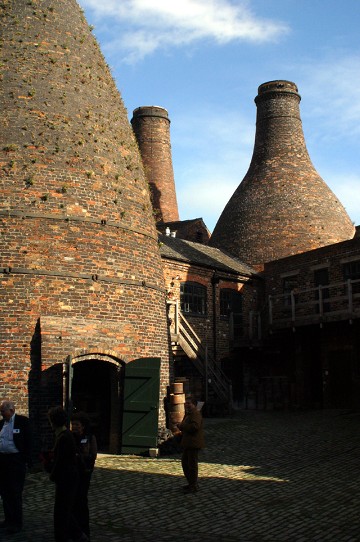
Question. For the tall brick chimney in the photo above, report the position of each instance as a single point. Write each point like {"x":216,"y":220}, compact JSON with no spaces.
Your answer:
{"x":151,"y":125}
{"x":82,"y":276}
{"x":282,"y":206}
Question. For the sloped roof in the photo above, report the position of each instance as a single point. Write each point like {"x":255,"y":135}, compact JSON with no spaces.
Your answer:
{"x":178,"y":223}
{"x":202,"y":255}
{"x":187,"y":229}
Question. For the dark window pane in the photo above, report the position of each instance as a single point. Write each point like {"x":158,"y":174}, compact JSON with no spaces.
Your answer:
{"x":192,"y":298}
{"x":351,"y":270}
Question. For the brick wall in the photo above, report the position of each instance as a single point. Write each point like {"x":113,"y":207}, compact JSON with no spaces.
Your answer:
{"x":282,"y":206}
{"x":211,"y":327}
{"x":82,"y":269}
{"x":151,"y":126}
{"x":319,"y":350}
{"x":304,"y":265}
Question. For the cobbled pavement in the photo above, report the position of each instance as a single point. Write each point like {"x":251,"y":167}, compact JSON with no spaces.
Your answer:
{"x":264,"y":477}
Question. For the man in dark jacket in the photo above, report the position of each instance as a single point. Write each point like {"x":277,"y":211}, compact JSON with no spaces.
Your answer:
{"x":15,"y":453}
{"x":65,"y":474}
{"x":192,"y":440}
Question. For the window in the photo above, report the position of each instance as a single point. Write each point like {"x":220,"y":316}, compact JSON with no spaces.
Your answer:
{"x":230,"y":302}
{"x":351,"y":270}
{"x":225,"y":302}
{"x":192,"y":298}
{"x":289,"y":284}
{"x":231,"y":306}
{"x":321,"y":278}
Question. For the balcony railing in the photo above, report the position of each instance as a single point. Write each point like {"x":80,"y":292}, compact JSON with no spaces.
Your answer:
{"x":332,"y":302}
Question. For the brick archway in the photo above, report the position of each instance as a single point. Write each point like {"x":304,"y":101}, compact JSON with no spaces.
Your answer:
{"x":97,"y":389}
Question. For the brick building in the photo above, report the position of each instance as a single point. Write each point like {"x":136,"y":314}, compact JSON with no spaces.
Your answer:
{"x":83,"y":314}
{"x":88,"y":289}
{"x":282,"y":206}
{"x":283,"y":219}
{"x":313,"y":324}
{"x":289,"y":227}
{"x":213,"y":302}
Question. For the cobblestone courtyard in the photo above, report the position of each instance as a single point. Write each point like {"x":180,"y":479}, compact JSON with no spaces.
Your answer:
{"x":265,"y":477}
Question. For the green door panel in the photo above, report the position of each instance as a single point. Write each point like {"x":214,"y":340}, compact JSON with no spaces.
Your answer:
{"x":141,"y":405}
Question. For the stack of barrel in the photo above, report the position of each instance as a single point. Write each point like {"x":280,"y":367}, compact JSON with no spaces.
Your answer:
{"x":176,"y":405}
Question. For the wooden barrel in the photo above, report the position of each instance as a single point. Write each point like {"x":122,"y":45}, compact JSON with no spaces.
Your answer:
{"x":185,"y":382}
{"x":177,"y":387}
{"x":175,"y":430}
{"x":176,"y":405}
{"x":176,"y":417}
{"x":176,"y":399}
{"x":180,"y":407}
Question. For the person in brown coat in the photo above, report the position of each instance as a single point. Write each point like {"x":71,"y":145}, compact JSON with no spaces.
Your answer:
{"x":192,"y":440}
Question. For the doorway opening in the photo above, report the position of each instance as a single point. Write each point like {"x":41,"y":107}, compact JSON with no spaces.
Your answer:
{"x":97,"y":390}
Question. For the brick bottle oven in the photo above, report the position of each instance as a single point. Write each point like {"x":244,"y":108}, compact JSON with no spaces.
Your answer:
{"x":282,"y":207}
{"x":82,"y":288}
{"x":151,"y":125}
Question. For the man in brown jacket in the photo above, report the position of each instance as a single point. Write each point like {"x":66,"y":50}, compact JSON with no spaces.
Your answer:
{"x":192,"y":441}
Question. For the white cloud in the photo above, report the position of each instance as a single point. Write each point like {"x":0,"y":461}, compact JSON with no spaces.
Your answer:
{"x":146,"y":25}
{"x":331,"y":89}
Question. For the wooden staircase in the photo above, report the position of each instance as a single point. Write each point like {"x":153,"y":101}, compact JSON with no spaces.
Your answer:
{"x":218,"y":389}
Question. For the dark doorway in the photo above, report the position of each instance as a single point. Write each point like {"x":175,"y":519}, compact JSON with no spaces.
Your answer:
{"x":340,"y":379}
{"x":309,"y":351}
{"x":96,"y":390}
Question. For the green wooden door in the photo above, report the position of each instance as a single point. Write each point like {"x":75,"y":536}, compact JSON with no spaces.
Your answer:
{"x":141,"y":405}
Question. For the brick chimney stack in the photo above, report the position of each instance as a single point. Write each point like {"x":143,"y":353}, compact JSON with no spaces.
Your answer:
{"x":151,"y":125}
{"x":81,"y":272}
{"x":282,"y":207}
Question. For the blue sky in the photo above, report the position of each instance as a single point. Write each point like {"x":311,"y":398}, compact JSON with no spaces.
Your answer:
{"x":203,"y":60}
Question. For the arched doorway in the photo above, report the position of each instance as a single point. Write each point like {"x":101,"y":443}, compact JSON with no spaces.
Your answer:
{"x":97,"y":390}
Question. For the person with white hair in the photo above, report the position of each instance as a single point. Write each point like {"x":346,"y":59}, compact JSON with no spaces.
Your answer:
{"x":15,"y":454}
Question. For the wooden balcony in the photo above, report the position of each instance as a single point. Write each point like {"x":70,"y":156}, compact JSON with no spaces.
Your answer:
{"x":334,"y":302}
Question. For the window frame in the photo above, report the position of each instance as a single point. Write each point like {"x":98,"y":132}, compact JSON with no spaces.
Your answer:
{"x":193,"y":299}
{"x":351,"y":271}
{"x":235,"y":310}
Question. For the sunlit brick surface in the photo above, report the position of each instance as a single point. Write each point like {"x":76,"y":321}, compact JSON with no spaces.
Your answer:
{"x":80,"y":265}
{"x":282,"y":206}
{"x":151,"y":125}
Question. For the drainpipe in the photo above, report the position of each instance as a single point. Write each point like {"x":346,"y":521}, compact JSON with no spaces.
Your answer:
{"x":214,"y":281}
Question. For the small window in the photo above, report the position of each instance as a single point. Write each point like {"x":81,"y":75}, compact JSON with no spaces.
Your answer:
{"x":351,"y":270}
{"x":231,"y":307}
{"x":289,"y":284}
{"x":225,"y":302}
{"x":230,"y":302}
{"x":192,"y":298}
{"x":321,"y":278}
